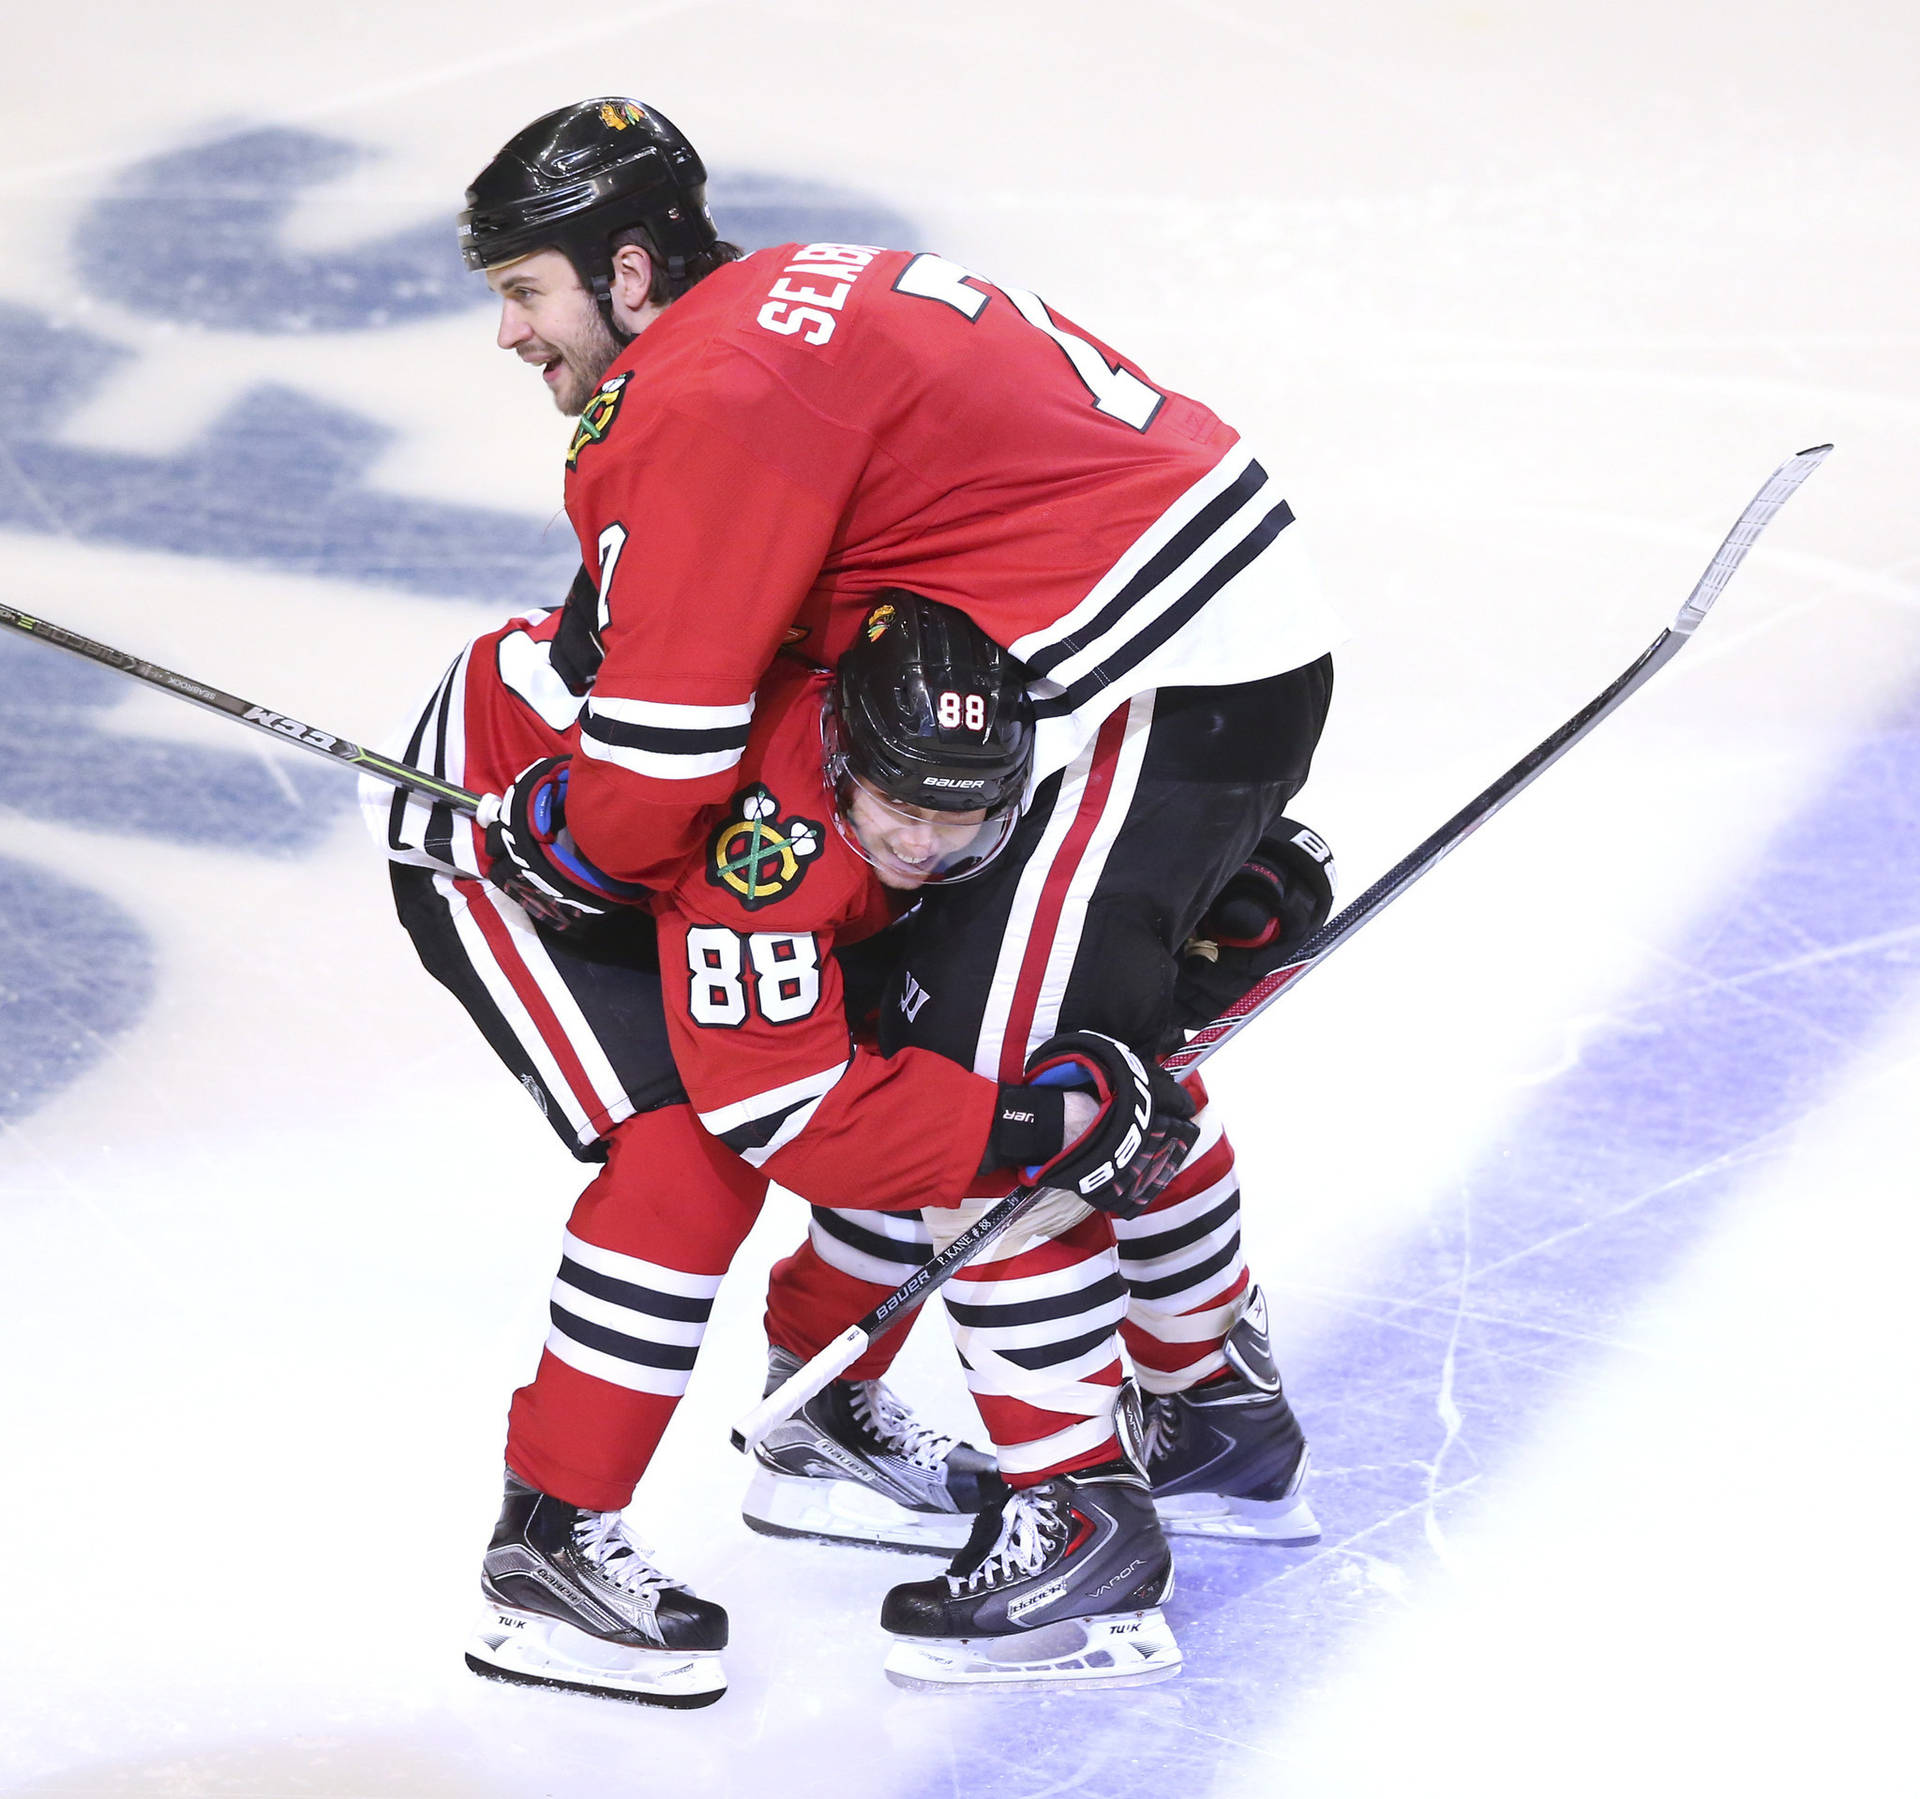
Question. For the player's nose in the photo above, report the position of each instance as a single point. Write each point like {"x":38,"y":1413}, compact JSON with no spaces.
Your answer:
{"x":514,"y":329}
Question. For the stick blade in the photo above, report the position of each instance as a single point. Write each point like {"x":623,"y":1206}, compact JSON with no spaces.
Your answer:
{"x":1780,"y":487}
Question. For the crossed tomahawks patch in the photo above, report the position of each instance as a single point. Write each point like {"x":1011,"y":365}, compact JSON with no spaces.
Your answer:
{"x":758,"y":856}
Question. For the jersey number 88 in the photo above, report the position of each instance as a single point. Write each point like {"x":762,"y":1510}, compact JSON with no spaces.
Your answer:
{"x":785,"y":979}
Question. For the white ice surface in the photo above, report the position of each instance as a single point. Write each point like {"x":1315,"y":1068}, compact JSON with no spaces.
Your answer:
{"x":1522,"y":303}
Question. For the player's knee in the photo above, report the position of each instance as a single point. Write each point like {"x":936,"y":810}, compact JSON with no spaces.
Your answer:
{"x":1123,"y":975}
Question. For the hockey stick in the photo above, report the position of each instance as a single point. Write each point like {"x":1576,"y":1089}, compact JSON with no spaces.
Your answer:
{"x":852,"y":1343}
{"x":275,"y":724}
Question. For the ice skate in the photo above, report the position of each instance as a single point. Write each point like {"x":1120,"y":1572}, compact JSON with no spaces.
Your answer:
{"x":574,"y":1602}
{"x":1059,"y":1583}
{"x":854,"y":1465}
{"x":1228,"y":1459}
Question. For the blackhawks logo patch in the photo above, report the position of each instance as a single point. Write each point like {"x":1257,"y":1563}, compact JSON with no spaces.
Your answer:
{"x":596,"y":418}
{"x":758,"y":856}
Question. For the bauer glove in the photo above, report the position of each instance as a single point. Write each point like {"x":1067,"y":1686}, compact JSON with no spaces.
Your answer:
{"x":535,"y":863}
{"x":1276,"y":900}
{"x":1138,"y":1137}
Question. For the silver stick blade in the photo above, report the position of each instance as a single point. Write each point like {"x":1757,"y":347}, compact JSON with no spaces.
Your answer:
{"x":1780,"y":488}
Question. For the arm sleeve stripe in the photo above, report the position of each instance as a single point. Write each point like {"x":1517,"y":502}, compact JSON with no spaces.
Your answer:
{"x":662,"y":740}
{"x":673,"y":767}
{"x":671,"y":717}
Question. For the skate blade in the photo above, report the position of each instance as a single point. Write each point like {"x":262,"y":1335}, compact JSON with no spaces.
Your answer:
{"x":1124,"y":1649}
{"x":1288,"y":1522}
{"x":840,"y":1511}
{"x":526,"y":1649}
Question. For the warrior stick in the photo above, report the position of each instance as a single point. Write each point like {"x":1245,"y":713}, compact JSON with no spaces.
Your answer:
{"x":275,"y":724}
{"x":847,"y":1348}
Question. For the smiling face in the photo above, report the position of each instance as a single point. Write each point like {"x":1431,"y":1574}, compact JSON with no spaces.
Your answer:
{"x":907,"y":845}
{"x":549,"y":320}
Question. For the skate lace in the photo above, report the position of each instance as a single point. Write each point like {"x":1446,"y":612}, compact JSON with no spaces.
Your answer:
{"x":602,"y":1537}
{"x":1030,"y":1529}
{"x":897,"y":1427}
{"x":1159,"y":1427}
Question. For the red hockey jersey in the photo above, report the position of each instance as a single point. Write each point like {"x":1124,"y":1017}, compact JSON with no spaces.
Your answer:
{"x":753,"y":994}
{"x":819,"y":421}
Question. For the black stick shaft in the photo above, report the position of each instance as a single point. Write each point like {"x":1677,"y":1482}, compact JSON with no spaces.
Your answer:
{"x":276,"y":724}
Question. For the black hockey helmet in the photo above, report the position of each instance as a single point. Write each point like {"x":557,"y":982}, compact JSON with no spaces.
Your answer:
{"x":576,"y":178}
{"x":928,"y":713}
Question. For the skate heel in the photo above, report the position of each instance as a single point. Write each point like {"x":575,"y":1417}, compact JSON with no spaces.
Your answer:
{"x":527,"y":1649}
{"x":843,"y":1511}
{"x":1288,"y":1522}
{"x":1286,"y":1518}
{"x":1123,"y":1649}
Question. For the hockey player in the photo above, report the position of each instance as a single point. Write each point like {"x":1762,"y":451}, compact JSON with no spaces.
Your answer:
{"x":770,"y":441}
{"x":755,"y":1019}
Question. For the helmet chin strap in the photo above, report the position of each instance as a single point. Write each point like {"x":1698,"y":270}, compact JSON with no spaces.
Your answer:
{"x":601,"y":287}
{"x":600,"y":284}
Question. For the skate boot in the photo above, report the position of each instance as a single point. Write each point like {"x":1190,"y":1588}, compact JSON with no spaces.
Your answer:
{"x":1227,"y":1458}
{"x":1059,"y":1583}
{"x":573,"y":1602}
{"x":854,"y":1465}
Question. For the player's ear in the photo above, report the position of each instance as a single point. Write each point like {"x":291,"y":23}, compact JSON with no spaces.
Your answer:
{"x":632,"y":278}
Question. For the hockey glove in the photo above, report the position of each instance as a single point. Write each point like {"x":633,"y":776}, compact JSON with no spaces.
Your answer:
{"x":1276,"y":900}
{"x":535,"y":863}
{"x":1139,"y":1133}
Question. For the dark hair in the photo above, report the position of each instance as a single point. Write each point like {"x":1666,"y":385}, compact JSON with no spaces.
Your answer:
{"x":698,"y":267}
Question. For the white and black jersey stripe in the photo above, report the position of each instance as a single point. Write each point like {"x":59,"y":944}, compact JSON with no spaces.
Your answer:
{"x":1195,"y":601}
{"x":633,"y":1323}
{"x":411,"y":827}
{"x":756,"y":1127}
{"x":664,"y":742}
{"x":527,"y":671}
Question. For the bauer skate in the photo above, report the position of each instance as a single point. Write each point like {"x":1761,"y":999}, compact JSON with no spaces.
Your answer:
{"x":1059,"y":1583}
{"x":1227,"y":1458}
{"x":854,"y":1465}
{"x":574,"y":1602}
